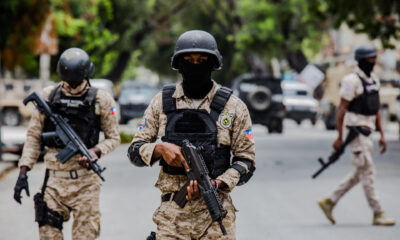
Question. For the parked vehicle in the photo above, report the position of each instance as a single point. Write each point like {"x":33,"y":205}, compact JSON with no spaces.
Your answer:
{"x":12,"y":92}
{"x":108,"y":86}
{"x":104,"y":84}
{"x":299,"y":102}
{"x":263,"y":97}
{"x":134,"y":99}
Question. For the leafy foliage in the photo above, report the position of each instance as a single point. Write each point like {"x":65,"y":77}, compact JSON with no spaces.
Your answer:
{"x":380,"y":19}
{"x":122,"y":34}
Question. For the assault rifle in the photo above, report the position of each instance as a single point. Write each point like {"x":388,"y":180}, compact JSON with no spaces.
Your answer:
{"x":199,"y":172}
{"x":73,"y":143}
{"x":353,"y":133}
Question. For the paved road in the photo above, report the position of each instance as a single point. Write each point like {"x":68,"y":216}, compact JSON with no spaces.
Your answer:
{"x":278,"y":203}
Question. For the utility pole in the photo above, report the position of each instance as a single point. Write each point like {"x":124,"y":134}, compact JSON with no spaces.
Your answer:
{"x":47,"y":45}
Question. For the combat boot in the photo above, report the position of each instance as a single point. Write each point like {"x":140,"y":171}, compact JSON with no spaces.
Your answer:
{"x":327,"y":205}
{"x":380,"y":219}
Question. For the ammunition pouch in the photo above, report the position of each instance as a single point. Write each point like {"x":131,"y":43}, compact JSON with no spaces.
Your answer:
{"x":45,"y":215}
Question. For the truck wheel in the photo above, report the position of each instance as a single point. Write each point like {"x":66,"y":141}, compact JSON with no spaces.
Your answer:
{"x":275,"y":126}
{"x":11,"y":117}
{"x":123,"y":120}
{"x":313,"y":121}
{"x":260,"y":99}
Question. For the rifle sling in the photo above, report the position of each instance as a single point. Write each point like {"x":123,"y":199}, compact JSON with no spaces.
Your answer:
{"x":46,"y":178}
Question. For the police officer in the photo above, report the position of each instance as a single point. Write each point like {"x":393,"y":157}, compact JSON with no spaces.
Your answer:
{"x":206,"y":114}
{"x":71,"y":187}
{"x":359,"y":107}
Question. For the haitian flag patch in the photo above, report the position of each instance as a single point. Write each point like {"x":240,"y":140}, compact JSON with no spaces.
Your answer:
{"x":249,"y":134}
{"x":113,"y":112}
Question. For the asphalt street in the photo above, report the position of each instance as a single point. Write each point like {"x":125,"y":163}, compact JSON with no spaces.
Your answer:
{"x":280,"y":201}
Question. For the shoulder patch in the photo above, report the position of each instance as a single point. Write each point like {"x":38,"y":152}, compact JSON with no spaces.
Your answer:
{"x":113,"y":111}
{"x":142,"y":123}
{"x":225,"y":119}
{"x":249,"y":133}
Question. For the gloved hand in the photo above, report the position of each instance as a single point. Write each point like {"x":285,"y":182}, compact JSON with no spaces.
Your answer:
{"x":22,"y":183}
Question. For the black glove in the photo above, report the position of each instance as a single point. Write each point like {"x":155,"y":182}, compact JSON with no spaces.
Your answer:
{"x":22,"y":183}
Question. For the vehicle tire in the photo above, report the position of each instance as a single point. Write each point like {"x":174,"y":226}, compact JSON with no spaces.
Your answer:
{"x":329,"y":125}
{"x":122,"y":120}
{"x":11,"y":117}
{"x":260,"y":99}
{"x":279,"y":126}
{"x":313,"y":121}
{"x":275,"y":126}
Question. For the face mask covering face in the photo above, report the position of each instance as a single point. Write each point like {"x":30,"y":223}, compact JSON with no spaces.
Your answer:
{"x":366,"y":66}
{"x":196,"y":78}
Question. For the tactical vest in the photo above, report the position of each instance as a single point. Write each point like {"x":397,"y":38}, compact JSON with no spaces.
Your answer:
{"x":80,"y":114}
{"x":199,"y":127}
{"x":368,"y":102}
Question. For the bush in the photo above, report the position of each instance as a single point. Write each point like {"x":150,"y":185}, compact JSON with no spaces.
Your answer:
{"x":125,"y":137}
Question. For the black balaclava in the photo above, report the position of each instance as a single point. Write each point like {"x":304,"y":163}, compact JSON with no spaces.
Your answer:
{"x":366,"y":66}
{"x":196,"y":77}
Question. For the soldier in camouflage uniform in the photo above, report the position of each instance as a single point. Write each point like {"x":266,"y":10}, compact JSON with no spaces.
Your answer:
{"x":71,"y":187}
{"x":206,"y":114}
{"x":359,"y":107}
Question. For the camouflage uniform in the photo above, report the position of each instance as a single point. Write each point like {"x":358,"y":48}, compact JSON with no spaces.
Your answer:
{"x":64,"y":194}
{"x":362,"y":146}
{"x":193,"y":221}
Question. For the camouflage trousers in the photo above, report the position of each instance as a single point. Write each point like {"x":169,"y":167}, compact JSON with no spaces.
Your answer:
{"x":79,"y":196}
{"x":193,"y":221}
{"x":362,"y":149}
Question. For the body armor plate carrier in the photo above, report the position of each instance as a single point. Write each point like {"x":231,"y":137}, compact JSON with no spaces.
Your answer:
{"x":80,"y":114}
{"x":200,"y":128}
{"x":368,"y":102}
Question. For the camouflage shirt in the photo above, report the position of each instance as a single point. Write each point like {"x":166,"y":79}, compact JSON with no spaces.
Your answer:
{"x":108,"y":120}
{"x":351,"y":88}
{"x":234,"y":130}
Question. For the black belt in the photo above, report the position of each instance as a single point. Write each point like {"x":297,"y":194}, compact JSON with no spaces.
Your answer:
{"x":166,"y":197}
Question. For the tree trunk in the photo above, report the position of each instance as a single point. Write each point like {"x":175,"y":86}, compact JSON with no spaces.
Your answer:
{"x":119,"y":67}
{"x":297,"y":60}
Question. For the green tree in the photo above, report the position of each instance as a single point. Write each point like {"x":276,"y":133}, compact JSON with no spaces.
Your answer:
{"x":251,"y":32}
{"x":380,"y":19}
{"x":21,"y":23}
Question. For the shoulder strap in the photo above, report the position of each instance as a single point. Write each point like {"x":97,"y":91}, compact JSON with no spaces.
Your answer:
{"x":54,"y":93}
{"x":91,"y":94}
{"x":168,"y":102}
{"x":219,"y":101}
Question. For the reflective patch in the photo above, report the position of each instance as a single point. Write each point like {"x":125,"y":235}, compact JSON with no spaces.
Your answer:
{"x":225,"y":119}
{"x":142,"y":123}
{"x":249,"y":133}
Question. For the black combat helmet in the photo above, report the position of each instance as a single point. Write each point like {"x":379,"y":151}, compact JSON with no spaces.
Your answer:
{"x":74,"y":66}
{"x":196,"y":41}
{"x":365,"y":51}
